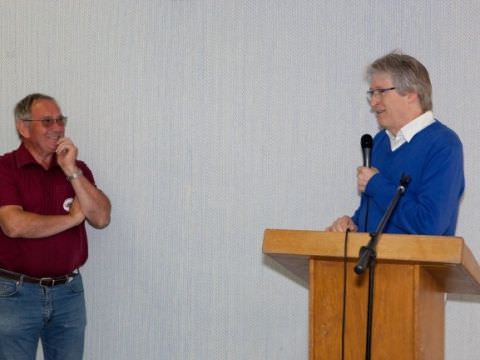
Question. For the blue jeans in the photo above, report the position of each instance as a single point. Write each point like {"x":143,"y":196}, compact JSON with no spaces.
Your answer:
{"x":29,"y":312}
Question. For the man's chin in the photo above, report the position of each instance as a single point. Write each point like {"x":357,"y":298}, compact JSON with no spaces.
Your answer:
{"x":52,"y":148}
{"x":381,"y":119}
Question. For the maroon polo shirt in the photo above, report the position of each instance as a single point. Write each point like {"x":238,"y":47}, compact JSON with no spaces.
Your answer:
{"x":25,"y":183}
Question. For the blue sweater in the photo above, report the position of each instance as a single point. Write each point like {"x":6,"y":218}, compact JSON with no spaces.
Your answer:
{"x":434,"y":161}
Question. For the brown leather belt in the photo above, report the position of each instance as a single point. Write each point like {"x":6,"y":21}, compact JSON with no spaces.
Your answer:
{"x":45,"y":281}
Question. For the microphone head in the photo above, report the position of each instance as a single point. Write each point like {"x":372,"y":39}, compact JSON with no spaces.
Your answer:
{"x":366,"y":141}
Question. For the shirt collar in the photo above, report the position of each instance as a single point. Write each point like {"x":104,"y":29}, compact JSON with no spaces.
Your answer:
{"x":407,"y":132}
{"x":24,"y":157}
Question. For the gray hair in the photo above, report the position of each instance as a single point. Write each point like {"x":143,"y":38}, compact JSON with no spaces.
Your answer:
{"x":23,"y":109}
{"x":407,"y":74}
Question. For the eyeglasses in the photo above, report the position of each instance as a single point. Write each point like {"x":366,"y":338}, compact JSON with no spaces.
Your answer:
{"x":49,"y":121}
{"x":377,"y":92}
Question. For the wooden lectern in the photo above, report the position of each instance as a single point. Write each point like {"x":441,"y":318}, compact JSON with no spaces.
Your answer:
{"x":412,"y":276}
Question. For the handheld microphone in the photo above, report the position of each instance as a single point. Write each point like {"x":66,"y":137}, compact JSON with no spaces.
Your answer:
{"x":367,"y":142}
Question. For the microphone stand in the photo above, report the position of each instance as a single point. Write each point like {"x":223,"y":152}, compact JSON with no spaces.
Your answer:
{"x":368,"y":256}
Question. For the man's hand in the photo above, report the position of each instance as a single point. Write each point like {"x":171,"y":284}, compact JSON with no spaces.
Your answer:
{"x":342,"y":224}
{"x":364,"y":174}
{"x":67,"y":155}
{"x":76,"y":212}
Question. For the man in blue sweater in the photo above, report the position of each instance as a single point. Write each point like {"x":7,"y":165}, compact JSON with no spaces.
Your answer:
{"x":414,"y":143}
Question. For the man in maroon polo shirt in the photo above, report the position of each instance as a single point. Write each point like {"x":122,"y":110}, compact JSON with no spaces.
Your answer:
{"x":46,"y":195}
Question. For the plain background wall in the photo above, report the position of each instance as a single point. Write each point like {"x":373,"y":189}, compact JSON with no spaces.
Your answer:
{"x":208,"y":121}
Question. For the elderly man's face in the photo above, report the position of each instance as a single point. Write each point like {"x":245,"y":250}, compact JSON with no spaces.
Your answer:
{"x":43,"y":139}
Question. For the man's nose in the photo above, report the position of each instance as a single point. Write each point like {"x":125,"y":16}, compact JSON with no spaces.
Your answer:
{"x":374,"y":100}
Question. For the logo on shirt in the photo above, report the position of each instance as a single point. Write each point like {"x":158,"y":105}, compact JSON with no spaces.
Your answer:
{"x":67,"y":204}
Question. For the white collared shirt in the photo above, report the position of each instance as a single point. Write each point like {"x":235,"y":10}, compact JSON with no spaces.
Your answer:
{"x":407,"y":132}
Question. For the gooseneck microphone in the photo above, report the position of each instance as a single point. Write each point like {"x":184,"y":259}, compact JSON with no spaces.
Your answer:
{"x":367,"y":142}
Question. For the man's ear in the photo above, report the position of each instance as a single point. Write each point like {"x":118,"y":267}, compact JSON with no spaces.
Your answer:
{"x":23,"y":128}
{"x":412,"y":97}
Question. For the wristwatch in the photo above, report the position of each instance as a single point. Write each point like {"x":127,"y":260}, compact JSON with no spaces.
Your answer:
{"x":75,"y":175}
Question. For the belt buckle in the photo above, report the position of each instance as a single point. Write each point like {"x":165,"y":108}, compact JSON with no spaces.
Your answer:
{"x":47,"y":279}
